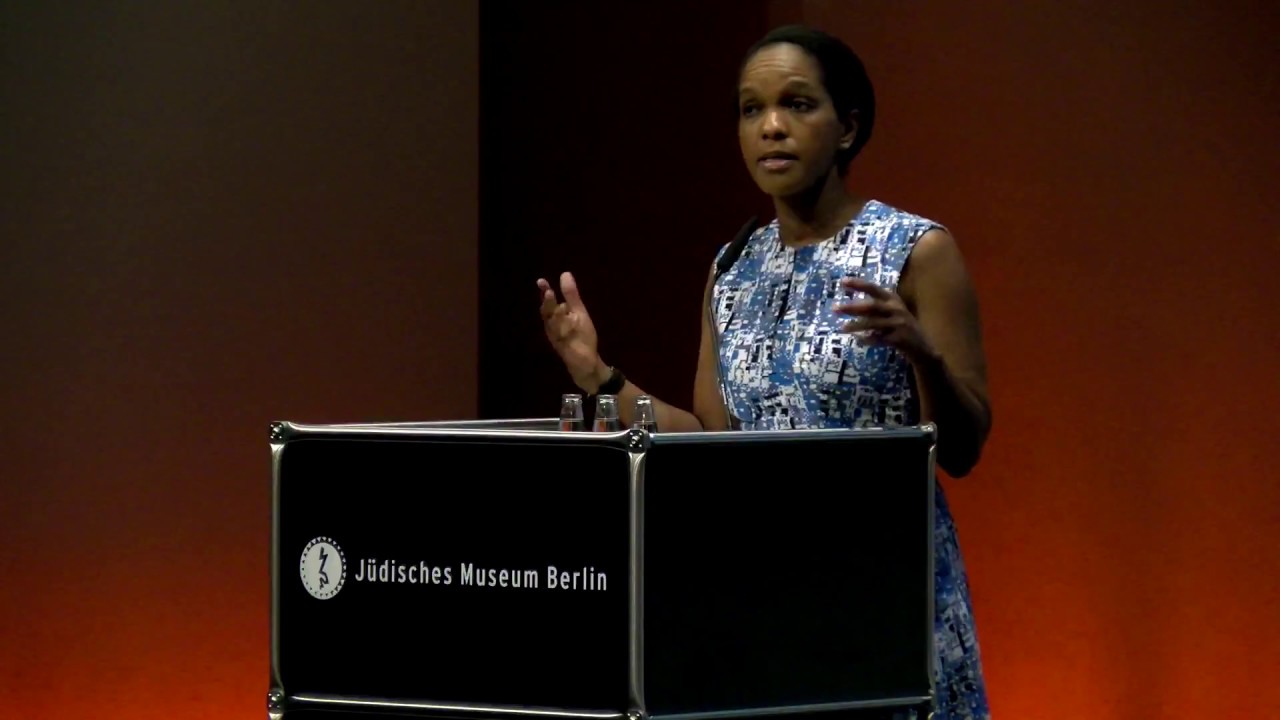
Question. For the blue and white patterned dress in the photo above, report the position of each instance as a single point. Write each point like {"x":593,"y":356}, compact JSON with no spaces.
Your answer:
{"x":786,"y":364}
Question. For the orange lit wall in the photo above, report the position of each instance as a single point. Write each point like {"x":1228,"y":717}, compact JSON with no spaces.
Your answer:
{"x":213,"y":215}
{"x":1111,"y":171}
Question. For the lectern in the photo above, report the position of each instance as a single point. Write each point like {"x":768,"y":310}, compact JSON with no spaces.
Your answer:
{"x":507,"y":570}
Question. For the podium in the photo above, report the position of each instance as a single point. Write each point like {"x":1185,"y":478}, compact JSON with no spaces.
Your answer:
{"x":507,"y":570}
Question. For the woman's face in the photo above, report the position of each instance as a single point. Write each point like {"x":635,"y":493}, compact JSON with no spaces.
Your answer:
{"x":787,"y":124}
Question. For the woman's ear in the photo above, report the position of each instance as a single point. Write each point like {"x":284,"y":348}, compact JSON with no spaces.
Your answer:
{"x":850,"y":123}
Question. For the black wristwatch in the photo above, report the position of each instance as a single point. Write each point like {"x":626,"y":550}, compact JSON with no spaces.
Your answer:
{"x":614,"y":384}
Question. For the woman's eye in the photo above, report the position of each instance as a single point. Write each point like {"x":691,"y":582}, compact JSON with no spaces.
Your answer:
{"x":748,"y":110}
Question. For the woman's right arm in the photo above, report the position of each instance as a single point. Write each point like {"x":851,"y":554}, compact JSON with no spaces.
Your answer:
{"x":572,"y":334}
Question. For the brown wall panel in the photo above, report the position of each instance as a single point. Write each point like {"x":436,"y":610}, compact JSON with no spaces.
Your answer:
{"x":213,"y":216}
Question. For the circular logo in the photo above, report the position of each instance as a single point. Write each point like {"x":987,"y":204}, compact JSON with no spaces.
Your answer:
{"x":323,"y":568}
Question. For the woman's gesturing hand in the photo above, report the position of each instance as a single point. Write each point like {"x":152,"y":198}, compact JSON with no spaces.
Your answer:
{"x":569,"y":329}
{"x":884,"y":318}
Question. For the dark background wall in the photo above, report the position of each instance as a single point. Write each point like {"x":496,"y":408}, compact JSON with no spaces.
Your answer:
{"x":215,"y":217}
{"x":608,"y":150}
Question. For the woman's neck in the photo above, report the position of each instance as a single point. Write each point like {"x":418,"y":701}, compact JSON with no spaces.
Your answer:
{"x":816,"y":214}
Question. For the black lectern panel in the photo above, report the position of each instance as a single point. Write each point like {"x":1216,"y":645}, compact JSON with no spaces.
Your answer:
{"x":492,"y":572}
{"x":786,"y":570}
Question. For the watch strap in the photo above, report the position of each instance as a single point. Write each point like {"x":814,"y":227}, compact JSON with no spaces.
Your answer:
{"x":614,"y":384}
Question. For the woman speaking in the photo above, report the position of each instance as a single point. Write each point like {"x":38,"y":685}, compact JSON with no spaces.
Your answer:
{"x":841,"y":312}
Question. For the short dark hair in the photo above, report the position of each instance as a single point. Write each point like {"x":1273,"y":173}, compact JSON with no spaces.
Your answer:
{"x":843,"y":76}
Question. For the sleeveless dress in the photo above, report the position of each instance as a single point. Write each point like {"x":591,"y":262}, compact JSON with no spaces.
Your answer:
{"x":787,"y":365}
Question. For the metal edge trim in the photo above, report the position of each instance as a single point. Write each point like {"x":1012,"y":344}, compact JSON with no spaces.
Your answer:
{"x":444,"y":431}
{"x":276,"y":691}
{"x":505,"y":423}
{"x":672,"y":438}
{"x":636,"y":599}
{"x":325,"y":700}
{"x":797,"y":709}
{"x":931,"y":494}
{"x":366,"y":432}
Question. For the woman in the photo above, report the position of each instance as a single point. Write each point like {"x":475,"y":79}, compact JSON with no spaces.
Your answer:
{"x":821,"y":321}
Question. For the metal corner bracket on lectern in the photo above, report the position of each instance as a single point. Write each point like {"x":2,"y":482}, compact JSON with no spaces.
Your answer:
{"x":638,"y":441}
{"x":275,"y":695}
{"x":932,"y":430}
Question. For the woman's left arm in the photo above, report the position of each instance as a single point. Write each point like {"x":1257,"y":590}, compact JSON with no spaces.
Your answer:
{"x":934,"y":321}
